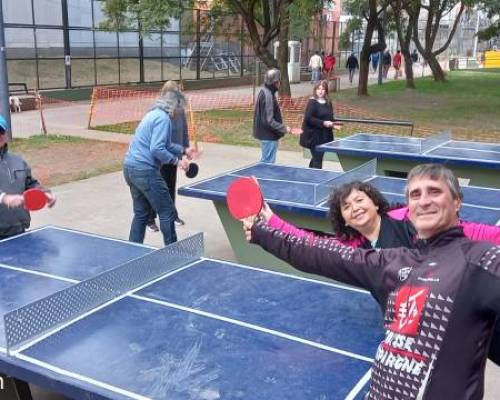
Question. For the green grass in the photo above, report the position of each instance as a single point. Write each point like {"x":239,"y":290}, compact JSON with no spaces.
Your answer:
{"x":123,"y":127}
{"x":41,"y":142}
{"x":468,"y":99}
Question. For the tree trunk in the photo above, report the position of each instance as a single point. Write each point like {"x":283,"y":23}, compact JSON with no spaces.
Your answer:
{"x":265,"y":56}
{"x":284,"y":89}
{"x":410,"y":82}
{"x":435,"y":67}
{"x":364,"y":63}
{"x":405,"y":32}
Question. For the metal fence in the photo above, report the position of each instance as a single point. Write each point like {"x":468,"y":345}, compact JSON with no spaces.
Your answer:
{"x":52,"y":44}
{"x":61,"y":44}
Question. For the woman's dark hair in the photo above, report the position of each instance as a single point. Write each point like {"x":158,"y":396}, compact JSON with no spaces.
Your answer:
{"x":338,"y":197}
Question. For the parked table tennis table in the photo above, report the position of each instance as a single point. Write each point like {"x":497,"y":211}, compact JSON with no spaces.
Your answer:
{"x":396,"y":155}
{"x":96,"y":318}
{"x":300,"y":195}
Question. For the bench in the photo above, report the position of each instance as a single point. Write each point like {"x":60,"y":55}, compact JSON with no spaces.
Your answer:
{"x":23,"y":88}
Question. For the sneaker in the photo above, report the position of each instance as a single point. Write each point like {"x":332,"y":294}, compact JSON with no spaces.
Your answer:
{"x":179,"y":222}
{"x":153,"y":227}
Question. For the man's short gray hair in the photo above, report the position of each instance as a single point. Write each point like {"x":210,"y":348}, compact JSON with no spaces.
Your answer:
{"x":272,"y":76}
{"x":437,"y":172}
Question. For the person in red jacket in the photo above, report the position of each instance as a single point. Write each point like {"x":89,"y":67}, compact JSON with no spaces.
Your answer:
{"x":329,"y":65}
{"x":430,"y":295}
{"x":396,"y":63}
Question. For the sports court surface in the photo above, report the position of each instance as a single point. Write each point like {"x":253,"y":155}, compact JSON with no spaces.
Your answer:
{"x":437,"y":148}
{"x":93,"y":317}
{"x":305,"y":191}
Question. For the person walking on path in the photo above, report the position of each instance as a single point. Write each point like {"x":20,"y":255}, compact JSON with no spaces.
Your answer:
{"x":329,"y":65}
{"x":316,"y":65}
{"x":317,"y":127}
{"x":386,"y":63}
{"x":396,"y":63}
{"x":169,"y":171}
{"x":352,"y":64}
{"x":414,"y":56}
{"x":268,"y":126}
{"x":374,"y":58}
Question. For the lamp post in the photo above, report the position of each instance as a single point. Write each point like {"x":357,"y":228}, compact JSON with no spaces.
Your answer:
{"x":4,"y":80}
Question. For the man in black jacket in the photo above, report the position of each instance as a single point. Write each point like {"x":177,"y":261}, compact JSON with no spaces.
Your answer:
{"x":15,"y":178}
{"x":440,"y":300}
{"x":352,"y":64}
{"x":268,"y":124}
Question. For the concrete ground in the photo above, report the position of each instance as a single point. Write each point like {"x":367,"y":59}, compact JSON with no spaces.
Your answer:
{"x":102,"y":204}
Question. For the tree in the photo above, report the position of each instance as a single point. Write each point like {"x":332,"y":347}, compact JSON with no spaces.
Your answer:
{"x":265,"y":20}
{"x":149,"y":14}
{"x":269,"y":20}
{"x":284,"y":12}
{"x":404,"y":27}
{"x":492,"y":9}
{"x":370,"y":11}
{"x":300,"y":27}
{"x":436,"y":10}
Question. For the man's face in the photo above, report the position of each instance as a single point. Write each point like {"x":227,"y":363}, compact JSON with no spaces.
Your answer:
{"x":432,"y":206}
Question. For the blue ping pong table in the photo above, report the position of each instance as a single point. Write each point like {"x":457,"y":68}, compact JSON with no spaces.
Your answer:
{"x":96,"y":318}
{"x":476,"y":161}
{"x":300,"y":195}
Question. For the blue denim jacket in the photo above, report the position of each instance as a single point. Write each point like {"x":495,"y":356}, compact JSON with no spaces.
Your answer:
{"x":152,"y":144}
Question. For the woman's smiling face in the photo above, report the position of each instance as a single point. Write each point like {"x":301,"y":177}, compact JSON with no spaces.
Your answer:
{"x":359,"y":210}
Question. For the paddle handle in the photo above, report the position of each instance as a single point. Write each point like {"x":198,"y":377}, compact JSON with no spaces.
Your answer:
{"x":193,"y":127}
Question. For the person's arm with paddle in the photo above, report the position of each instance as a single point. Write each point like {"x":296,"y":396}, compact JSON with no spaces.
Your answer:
{"x":16,"y":181}
{"x":165,"y":151}
{"x":34,"y":197}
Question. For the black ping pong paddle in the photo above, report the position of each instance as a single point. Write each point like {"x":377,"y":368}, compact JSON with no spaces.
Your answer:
{"x":192,"y":170}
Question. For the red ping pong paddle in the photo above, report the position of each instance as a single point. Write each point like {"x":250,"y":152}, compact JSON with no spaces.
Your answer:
{"x":34,"y":199}
{"x":244,"y":198}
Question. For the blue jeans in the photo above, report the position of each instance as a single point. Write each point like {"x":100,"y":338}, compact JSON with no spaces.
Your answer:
{"x":149,"y":192}
{"x":269,"y":149}
{"x":316,"y":75}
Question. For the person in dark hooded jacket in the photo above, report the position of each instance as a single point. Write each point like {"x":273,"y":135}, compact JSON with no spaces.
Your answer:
{"x":15,"y":179}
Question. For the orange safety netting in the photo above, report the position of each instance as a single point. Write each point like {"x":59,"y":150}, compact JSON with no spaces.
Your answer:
{"x":209,"y":111}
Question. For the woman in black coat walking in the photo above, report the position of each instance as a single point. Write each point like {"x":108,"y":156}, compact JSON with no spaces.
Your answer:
{"x":317,"y":127}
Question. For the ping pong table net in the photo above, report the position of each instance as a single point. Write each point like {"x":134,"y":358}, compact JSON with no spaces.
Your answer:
{"x":365,"y":171}
{"x":434,"y":141}
{"x":27,"y":324}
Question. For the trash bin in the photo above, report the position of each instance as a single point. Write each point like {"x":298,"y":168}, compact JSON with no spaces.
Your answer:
{"x":293,"y":59}
{"x":334,"y":84}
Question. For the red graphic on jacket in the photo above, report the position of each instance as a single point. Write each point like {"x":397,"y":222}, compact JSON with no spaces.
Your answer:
{"x":408,"y":307}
